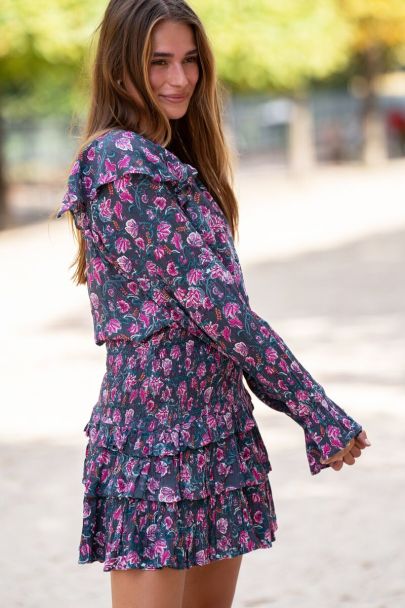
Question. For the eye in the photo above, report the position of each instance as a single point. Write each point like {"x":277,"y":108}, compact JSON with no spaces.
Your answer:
{"x":162,"y":61}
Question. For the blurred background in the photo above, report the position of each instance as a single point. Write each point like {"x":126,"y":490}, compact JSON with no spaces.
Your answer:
{"x":314,"y":109}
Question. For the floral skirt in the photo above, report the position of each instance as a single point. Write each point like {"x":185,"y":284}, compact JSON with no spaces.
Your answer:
{"x":175,"y":471}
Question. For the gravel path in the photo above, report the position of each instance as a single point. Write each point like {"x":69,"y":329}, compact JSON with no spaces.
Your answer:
{"x":323,"y":260}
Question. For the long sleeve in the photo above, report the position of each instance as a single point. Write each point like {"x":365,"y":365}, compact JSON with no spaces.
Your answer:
{"x":142,"y":228}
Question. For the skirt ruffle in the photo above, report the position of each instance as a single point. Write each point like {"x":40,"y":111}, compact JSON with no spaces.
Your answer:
{"x":196,"y":505}
{"x":179,"y":478}
{"x":126,"y":533}
{"x":208,"y":427}
{"x":238,"y":460}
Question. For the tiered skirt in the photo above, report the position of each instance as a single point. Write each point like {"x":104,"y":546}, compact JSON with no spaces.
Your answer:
{"x":175,"y":471}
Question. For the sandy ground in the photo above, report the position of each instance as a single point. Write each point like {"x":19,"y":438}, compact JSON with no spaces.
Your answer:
{"x":323,"y":261}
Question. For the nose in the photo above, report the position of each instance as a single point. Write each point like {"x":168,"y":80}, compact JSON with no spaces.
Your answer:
{"x":177,"y":75}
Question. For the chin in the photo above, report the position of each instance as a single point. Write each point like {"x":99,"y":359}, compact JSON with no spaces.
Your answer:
{"x":176,"y":115}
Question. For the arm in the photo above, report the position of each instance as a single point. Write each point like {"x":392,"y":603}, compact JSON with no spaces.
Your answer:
{"x":142,"y":228}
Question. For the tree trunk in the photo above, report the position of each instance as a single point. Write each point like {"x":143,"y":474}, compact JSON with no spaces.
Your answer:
{"x":374,"y":149}
{"x":3,"y":186}
{"x":301,"y":142}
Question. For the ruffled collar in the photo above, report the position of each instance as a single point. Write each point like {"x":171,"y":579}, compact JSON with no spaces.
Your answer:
{"x":115,"y":154}
{"x":142,"y":155}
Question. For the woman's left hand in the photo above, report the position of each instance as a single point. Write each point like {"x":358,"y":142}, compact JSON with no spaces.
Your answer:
{"x":349,"y":453}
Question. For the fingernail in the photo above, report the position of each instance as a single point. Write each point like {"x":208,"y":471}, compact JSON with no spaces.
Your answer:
{"x":367,"y":442}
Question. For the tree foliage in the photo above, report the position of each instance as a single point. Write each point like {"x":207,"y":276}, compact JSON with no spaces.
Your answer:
{"x":375,"y":22}
{"x":42,"y":45}
{"x":272,"y":45}
{"x":259,"y":45}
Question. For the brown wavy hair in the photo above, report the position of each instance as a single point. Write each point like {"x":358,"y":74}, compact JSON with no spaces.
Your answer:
{"x":121,"y":97}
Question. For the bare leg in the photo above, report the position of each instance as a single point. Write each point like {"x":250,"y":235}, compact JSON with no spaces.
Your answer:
{"x":162,"y":588}
{"x":213,"y":585}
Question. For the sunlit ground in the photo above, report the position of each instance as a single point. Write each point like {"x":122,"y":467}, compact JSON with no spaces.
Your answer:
{"x":323,"y":262}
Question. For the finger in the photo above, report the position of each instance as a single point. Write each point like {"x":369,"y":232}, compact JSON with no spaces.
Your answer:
{"x":355,"y":452}
{"x":339,"y":455}
{"x":337,"y":465}
{"x":329,"y":460}
{"x":346,"y":450}
{"x":363,"y":439}
{"x":336,"y":458}
{"x":361,"y":446}
{"x":348,"y":459}
{"x":348,"y":454}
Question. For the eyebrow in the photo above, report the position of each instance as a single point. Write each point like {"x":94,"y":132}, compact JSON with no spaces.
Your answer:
{"x":159,"y":54}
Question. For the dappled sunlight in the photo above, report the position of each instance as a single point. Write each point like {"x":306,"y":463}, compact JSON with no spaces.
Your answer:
{"x":282,"y":215}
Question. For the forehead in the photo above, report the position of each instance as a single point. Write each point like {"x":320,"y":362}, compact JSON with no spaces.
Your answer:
{"x":173,"y":37}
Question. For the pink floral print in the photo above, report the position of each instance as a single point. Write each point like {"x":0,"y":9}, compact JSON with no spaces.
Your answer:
{"x":176,"y":472}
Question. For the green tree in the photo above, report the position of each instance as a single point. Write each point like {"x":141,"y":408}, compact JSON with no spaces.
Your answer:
{"x":42,"y":45}
{"x":377,"y":44}
{"x":259,"y":45}
{"x":278,"y":47}
{"x":268,"y":45}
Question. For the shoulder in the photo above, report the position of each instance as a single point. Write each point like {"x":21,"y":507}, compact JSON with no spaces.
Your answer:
{"x":119,"y":152}
{"x":114,"y":154}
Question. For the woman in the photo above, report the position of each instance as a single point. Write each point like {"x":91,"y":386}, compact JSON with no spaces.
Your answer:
{"x":176,"y":472}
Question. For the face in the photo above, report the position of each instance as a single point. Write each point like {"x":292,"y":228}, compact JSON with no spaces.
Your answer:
{"x":173,"y":71}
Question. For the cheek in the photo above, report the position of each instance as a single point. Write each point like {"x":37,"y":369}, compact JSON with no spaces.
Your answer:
{"x":194,"y":75}
{"x":155,"y":79}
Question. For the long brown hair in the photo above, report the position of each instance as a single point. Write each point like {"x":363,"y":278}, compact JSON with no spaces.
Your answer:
{"x":122,"y":57}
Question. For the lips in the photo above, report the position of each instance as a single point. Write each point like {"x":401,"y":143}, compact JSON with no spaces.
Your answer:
{"x":174,"y":97}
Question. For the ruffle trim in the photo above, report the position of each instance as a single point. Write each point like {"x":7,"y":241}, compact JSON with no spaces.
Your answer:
{"x":112,"y":156}
{"x":73,"y":199}
{"x":237,"y":461}
{"x":327,"y":427}
{"x":127,"y":533}
{"x":120,"y":152}
{"x":330,"y":443}
{"x":193,"y":434}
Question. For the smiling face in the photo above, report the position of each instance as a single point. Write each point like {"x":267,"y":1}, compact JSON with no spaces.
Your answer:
{"x":174,"y":70}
